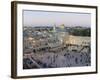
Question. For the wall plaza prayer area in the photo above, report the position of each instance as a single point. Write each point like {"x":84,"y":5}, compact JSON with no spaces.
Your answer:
{"x":56,"y":46}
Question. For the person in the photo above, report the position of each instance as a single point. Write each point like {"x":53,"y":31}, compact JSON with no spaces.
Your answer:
{"x":76,"y":60}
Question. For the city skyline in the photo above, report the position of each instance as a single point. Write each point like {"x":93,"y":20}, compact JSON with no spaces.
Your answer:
{"x":48,"y":18}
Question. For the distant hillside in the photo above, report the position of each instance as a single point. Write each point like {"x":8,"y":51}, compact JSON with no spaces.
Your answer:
{"x":79,"y":31}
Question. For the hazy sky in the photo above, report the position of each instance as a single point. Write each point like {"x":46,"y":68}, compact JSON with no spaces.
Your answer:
{"x":44,"y":18}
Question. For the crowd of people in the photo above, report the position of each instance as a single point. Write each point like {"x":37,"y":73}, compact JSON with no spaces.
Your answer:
{"x":61,"y":58}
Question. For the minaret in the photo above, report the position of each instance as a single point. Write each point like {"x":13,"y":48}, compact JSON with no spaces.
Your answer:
{"x":54,"y":28}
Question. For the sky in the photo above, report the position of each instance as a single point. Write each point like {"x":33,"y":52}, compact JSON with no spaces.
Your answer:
{"x":48,"y":18}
